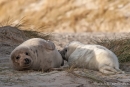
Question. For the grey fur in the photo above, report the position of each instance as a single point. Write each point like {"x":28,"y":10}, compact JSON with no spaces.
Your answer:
{"x":38,"y":53}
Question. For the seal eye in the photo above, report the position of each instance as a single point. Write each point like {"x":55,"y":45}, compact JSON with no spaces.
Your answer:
{"x":17,"y":57}
{"x":65,"y":49}
{"x":26,"y":53}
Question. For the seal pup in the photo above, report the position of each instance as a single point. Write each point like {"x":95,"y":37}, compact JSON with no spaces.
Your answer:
{"x":36,"y":54}
{"x":95,"y":57}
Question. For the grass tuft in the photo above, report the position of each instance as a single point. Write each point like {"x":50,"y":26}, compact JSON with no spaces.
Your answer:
{"x":12,"y":35}
{"x":121,"y":47}
{"x":35,"y":34}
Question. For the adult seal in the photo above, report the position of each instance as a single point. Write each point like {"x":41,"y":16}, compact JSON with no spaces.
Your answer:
{"x":36,"y":54}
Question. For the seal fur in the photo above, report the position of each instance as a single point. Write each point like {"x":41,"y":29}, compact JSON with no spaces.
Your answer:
{"x":36,"y":54}
{"x":95,"y":57}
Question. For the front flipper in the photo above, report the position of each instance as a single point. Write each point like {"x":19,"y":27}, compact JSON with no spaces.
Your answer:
{"x":49,"y":45}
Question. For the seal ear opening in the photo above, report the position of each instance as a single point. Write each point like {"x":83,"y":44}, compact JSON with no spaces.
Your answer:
{"x":49,"y":45}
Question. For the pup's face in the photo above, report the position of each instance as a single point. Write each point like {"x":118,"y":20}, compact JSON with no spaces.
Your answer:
{"x":21,"y":58}
{"x":63,"y":53}
{"x":68,"y":50}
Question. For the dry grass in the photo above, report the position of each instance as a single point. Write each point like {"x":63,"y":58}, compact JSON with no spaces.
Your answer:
{"x":13,"y":35}
{"x":121,"y":47}
{"x":34,"y":34}
{"x":83,"y":73}
{"x":67,"y":15}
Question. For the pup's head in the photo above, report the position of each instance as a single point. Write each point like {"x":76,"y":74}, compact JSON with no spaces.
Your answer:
{"x":69,"y":49}
{"x":21,"y":58}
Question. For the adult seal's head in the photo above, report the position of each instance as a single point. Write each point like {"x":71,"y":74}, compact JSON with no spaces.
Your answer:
{"x":69,"y":49}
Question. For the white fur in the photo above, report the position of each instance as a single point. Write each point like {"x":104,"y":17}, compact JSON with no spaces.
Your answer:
{"x":94,"y":57}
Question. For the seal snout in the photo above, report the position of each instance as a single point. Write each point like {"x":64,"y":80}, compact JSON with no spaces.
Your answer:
{"x":27,"y":61}
{"x":63,"y":53}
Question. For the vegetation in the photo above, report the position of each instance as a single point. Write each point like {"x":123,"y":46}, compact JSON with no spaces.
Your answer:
{"x":121,"y":47}
{"x":67,"y":15}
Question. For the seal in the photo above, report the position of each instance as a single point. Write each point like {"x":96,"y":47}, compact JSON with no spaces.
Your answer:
{"x":36,"y":54}
{"x":95,"y":57}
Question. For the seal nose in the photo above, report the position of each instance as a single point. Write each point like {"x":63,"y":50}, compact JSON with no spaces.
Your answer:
{"x":27,"y":61}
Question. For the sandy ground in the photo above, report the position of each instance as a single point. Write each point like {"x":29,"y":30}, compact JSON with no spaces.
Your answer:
{"x":89,"y":78}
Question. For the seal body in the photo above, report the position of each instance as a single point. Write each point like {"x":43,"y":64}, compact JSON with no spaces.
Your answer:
{"x":94,"y":57}
{"x":36,"y":54}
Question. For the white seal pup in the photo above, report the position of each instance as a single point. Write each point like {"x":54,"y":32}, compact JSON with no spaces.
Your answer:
{"x":36,"y":54}
{"x":95,"y":57}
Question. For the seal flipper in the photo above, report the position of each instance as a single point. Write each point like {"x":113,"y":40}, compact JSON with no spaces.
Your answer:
{"x":49,"y":45}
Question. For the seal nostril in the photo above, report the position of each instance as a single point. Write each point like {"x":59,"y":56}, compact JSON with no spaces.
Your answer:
{"x":27,"y":61}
